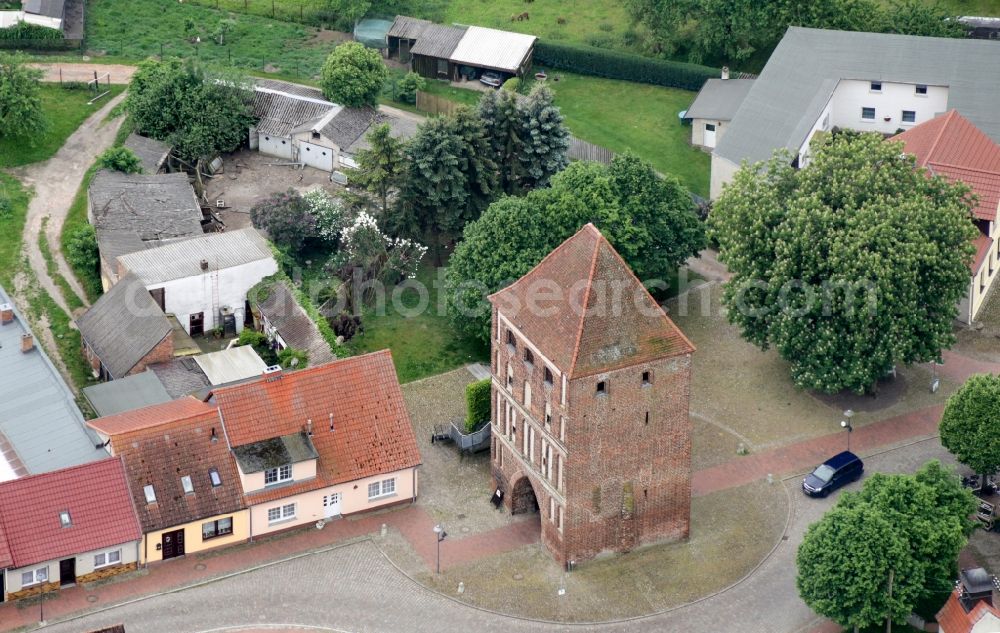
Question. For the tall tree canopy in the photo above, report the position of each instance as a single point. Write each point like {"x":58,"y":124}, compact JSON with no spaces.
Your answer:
{"x":380,"y":165}
{"x":21,"y":114}
{"x":910,"y":525}
{"x":648,"y":218}
{"x":970,"y":426}
{"x":848,"y":266}
{"x":353,"y":75}
{"x":200,"y":113}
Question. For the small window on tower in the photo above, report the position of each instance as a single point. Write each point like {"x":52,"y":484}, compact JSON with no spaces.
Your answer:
{"x":647,"y":377}
{"x":529,"y":358}
{"x":510,"y":339}
{"x":548,"y":377}
{"x":602,"y":387}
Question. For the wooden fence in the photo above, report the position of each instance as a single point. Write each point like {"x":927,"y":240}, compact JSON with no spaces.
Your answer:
{"x":578,"y":149}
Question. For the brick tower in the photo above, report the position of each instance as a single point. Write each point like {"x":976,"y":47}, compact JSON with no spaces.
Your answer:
{"x":591,"y":382}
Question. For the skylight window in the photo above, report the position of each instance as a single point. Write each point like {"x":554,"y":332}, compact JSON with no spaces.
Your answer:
{"x":214,"y":476}
{"x":187,"y":485}
{"x":64,"y":519}
{"x":150,"y":494}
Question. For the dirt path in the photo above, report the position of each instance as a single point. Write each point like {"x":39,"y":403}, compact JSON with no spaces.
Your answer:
{"x":119,"y":73}
{"x":55,"y":183}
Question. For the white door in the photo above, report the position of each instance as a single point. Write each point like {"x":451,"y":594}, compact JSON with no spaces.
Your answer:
{"x":709,"y":135}
{"x":316,"y":156}
{"x":331,"y":505}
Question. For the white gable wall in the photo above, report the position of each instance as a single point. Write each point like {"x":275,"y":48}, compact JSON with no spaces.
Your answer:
{"x":989,"y":623}
{"x":190,"y":295}
{"x":851,"y":95}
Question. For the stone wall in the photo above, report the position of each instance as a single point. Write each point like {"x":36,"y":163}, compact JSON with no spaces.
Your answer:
{"x":33,"y":590}
{"x":106,"y":572}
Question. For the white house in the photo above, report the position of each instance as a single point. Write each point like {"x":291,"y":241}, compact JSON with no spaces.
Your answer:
{"x":203,"y":281}
{"x":817,"y":80}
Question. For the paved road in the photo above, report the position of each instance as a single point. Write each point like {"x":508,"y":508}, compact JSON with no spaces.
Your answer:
{"x":354,"y":589}
{"x":55,"y":184}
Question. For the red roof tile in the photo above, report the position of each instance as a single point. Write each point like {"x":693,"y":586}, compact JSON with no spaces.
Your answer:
{"x":150,"y":416}
{"x":951,"y":146}
{"x":97,"y":498}
{"x":593,"y":315}
{"x":952,"y":617}
{"x":372,"y":430}
{"x":159,"y":455}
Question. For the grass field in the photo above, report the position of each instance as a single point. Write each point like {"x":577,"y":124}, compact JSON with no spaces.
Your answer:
{"x":623,"y":115}
{"x":65,"y":110}
{"x":138,"y":28}
{"x":422,"y":345}
{"x":583,"y":19}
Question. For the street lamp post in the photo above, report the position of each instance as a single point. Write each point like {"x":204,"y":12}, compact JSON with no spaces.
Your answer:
{"x":846,"y":424}
{"x":440,"y":534}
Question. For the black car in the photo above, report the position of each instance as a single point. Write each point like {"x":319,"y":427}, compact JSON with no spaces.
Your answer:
{"x":840,"y":469}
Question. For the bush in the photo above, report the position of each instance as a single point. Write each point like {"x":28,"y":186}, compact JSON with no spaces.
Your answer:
{"x":81,"y":249}
{"x":346,"y":325}
{"x":26,"y":31}
{"x":589,"y":60}
{"x":258,"y":341}
{"x":407,"y":87}
{"x":120,"y":159}
{"x":291,"y":358}
{"x":286,"y":217}
{"x":477,"y":404}
{"x":512,"y":85}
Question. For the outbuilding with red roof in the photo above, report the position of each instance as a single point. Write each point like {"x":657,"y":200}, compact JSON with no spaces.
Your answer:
{"x":65,"y":527}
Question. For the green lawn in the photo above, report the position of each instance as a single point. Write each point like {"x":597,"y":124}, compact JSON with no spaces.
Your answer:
{"x":11,"y":227}
{"x":138,"y":28}
{"x":422,"y":345}
{"x":623,"y":115}
{"x":65,"y":110}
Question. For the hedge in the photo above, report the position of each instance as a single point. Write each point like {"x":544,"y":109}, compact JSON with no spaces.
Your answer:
{"x":477,"y":404}
{"x":27,"y":31}
{"x":589,"y":60}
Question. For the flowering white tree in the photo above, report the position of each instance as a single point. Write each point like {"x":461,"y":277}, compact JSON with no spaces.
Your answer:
{"x":329,"y":212}
{"x":379,"y":257}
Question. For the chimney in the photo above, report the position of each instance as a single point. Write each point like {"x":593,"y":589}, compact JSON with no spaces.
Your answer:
{"x":976,"y":586}
{"x":272,"y":373}
{"x":6,"y":313}
{"x":27,"y":343}
{"x":204,"y":264}
{"x":725,"y":72}
{"x":309,"y":427}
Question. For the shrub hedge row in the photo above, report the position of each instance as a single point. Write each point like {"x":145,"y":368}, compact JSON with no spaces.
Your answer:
{"x":26,"y":31}
{"x":477,"y":404}
{"x":589,"y":60}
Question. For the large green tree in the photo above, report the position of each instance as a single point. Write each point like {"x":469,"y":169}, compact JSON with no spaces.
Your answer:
{"x":380,"y":165}
{"x":970,"y":426}
{"x":918,"y":17}
{"x":21,"y":114}
{"x":200,"y":113}
{"x":498,"y":110}
{"x":544,"y":139}
{"x":353,"y":75}
{"x":849,"y":266}
{"x":649,"y":219}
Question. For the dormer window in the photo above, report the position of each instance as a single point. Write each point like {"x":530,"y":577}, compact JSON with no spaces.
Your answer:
{"x":64,"y":519}
{"x":213,"y":475}
{"x":187,"y":484}
{"x":150,"y":494}
{"x":278,"y":475}
{"x":876,"y":86}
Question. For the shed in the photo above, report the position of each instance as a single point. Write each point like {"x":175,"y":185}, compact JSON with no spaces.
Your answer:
{"x":714,"y":107}
{"x":432,"y":52}
{"x":402,"y":35}
{"x":280,"y":107}
{"x":491,"y":49}
{"x":133,"y":392}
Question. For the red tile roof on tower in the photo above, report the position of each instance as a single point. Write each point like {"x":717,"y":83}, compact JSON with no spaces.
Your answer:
{"x":95,"y":495}
{"x":160,"y":454}
{"x":152,"y":415}
{"x":952,"y":618}
{"x":371,"y":435}
{"x":620,"y":325}
{"x":952,"y":147}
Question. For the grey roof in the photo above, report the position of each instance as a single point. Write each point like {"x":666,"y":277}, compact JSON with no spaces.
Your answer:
{"x":274,"y":452}
{"x":151,"y":152}
{"x":407,"y":28}
{"x":492,"y":48}
{"x":399,"y":127}
{"x":114,"y":244}
{"x":719,"y":99}
{"x":39,"y":419}
{"x":438,"y":40}
{"x":180,"y":376}
{"x":348,"y":125}
{"x":280,"y":106}
{"x":231,"y":365}
{"x":123,"y":325}
{"x":183,"y":259}
{"x":154,"y":207}
{"x":126,"y":394}
{"x":49,"y":8}
{"x":802,"y":73}
{"x":295,"y":327}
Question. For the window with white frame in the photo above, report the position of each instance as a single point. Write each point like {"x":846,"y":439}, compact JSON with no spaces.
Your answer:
{"x":868,"y":114}
{"x":876,"y":86}
{"x":150,"y":494}
{"x":34,"y":577}
{"x":213,"y":475}
{"x":281,"y":513}
{"x":187,"y":484}
{"x":921,"y":89}
{"x":64,"y":519}
{"x":384,"y":488}
{"x":107,"y":558}
{"x":278,"y":475}
{"x":909,"y":116}
{"x":221,"y":527}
